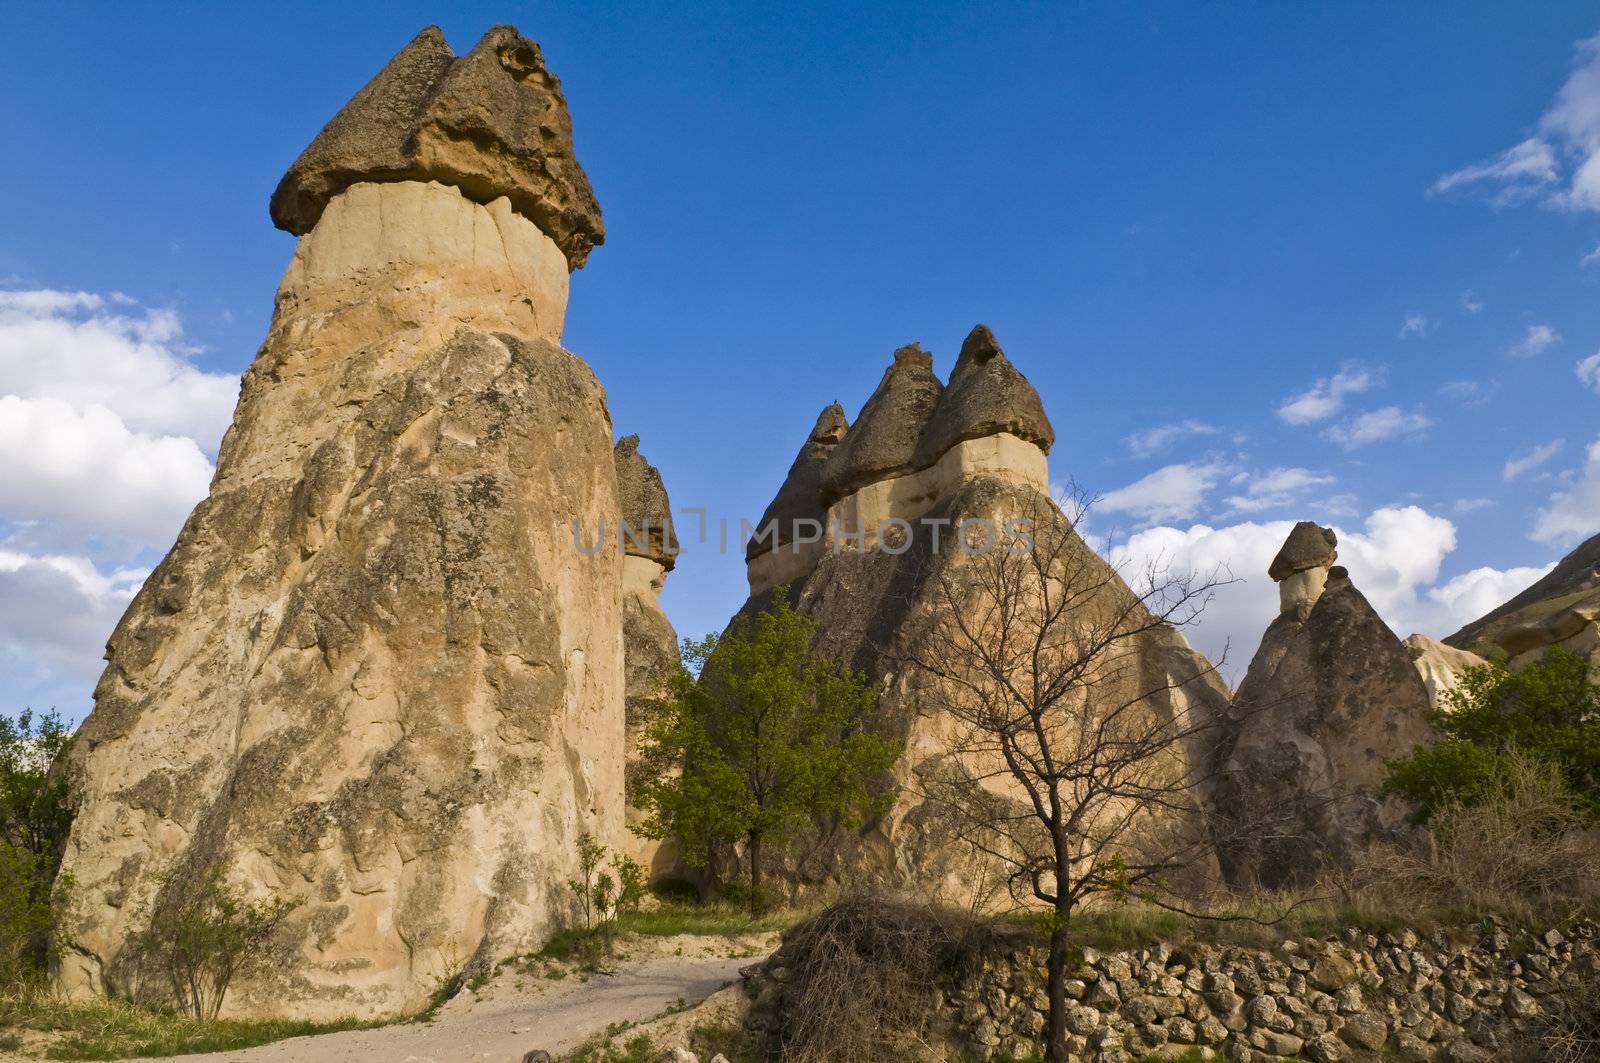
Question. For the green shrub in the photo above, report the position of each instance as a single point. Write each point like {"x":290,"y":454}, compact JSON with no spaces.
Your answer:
{"x":1549,"y":711}
{"x":35,"y":816}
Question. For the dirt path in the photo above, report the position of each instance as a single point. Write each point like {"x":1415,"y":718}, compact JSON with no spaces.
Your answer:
{"x":514,"y":1014}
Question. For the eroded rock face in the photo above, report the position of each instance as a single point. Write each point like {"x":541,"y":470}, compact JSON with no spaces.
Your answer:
{"x":883,"y":441}
{"x":1330,"y":697}
{"x":374,"y":674}
{"x":649,"y":643}
{"x":491,"y":123}
{"x":1441,"y":666}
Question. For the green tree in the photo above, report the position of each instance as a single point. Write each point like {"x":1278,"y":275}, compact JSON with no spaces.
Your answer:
{"x":1549,"y":711}
{"x":758,"y":738}
{"x":35,"y":815}
{"x":602,"y":898}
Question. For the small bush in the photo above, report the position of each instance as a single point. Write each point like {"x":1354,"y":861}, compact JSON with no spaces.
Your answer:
{"x":199,"y":934}
{"x":1568,"y":1029}
{"x":602,"y":898}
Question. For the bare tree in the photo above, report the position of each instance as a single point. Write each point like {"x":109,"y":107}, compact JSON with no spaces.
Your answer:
{"x":1079,"y":720}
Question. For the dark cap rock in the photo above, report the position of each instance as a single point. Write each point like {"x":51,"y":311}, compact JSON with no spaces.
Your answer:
{"x":987,"y":395}
{"x":646,"y":511}
{"x":883,"y":441}
{"x":491,"y":123}
{"x":800,"y":497}
{"x":1309,"y":545}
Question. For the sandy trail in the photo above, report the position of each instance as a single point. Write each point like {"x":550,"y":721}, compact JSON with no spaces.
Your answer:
{"x":514,"y":1014}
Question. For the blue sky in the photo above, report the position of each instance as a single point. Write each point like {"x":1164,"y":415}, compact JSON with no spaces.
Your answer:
{"x":1337,"y":253}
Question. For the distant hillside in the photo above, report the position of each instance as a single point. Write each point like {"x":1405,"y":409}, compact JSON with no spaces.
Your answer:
{"x":1571,"y":581}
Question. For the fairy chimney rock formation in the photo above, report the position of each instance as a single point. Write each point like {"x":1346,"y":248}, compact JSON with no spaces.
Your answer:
{"x":914,"y":442}
{"x":1330,"y":697}
{"x":374,"y":675}
{"x":649,"y":643}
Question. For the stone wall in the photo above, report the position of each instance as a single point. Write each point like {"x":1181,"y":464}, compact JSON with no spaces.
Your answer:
{"x":1440,"y":997}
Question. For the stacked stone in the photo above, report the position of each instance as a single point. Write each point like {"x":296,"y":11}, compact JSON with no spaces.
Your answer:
{"x":1356,"y":996}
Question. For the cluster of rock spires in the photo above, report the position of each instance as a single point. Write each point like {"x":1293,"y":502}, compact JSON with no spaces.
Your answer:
{"x":374,"y":676}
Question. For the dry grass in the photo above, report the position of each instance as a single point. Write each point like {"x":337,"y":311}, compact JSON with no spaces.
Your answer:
{"x":865,"y":976}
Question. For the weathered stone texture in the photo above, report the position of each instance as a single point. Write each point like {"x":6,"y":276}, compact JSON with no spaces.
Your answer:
{"x":800,"y":497}
{"x":491,"y":123}
{"x":883,"y":441}
{"x":986,"y":396}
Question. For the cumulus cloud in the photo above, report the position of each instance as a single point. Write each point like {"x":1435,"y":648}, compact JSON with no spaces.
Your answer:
{"x":1154,"y":440}
{"x":1533,"y":458}
{"x":1394,"y":558}
{"x":1535,"y":341}
{"x":1588,"y":371}
{"x":1375,"y":426}
{"x":1275,"y":488}
{"x":1326,"y":397}
{"x":1574,"y":511}
{"x":87,"y":349}
{"x":1173,"y":492}
{"x":1560,"y":164}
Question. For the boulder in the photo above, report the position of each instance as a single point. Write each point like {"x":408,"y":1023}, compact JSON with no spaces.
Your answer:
{"x":985,"y":397}
{"x":490,"y":123}
{"x":373,"y":675}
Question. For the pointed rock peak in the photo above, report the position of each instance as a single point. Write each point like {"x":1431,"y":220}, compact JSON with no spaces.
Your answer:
{"x":646,"y":512}
{"x":491,"y":123}
{"x":831,"y":424}
{"x":1309,"y":545}
{"x":883,"y":441}
{"x":912,"y":354}
{"x":979,"y":346}
{"x":987,"y":395}
{"x":800,"y":497}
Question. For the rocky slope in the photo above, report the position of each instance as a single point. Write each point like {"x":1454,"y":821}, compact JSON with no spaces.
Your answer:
{"x":1330,"y":696}
{"x":373,"y":675}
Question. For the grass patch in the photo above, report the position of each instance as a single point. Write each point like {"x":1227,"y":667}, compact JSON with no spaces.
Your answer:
{"x":706,"y":921}
{"x":117,"y":1029}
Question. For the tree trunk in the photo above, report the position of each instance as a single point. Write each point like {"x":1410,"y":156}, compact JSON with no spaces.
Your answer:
{"x":1056,"y":968}
{"x":755,"y":873}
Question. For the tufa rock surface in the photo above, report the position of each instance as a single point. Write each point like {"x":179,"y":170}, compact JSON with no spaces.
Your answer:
{"x":1574,"y":580}
{"x":1308,"y":546}
{"x":491,"y":123}
{"x":646,"y":522}
{"x":374,"y":675}
{"x":1441,"y":666}
{"x":1329,"y":698}
{"x":800,"y":497}
{"x":883,"y":441}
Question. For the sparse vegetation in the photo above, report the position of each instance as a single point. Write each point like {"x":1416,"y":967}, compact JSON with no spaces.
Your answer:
{"x":757,"y":738}
{"x":602,"y":898}
{"x":199,"y":933}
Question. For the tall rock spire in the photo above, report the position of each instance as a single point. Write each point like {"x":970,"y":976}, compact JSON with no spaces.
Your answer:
{"x":800,"y":497}
{"x":491,"y":123}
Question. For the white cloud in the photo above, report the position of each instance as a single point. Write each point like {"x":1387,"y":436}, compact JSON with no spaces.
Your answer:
{"x":1521,"y":171}
{"x":1154,"y":440}
{"x":86,"y":470}
{"x":1533,"y":458}
{"x":1535,"y":341}
{"x":1573,"y":512}
{"x":1560,"y":165}
{"x":1394,"y":559}
{"x":1588,"y":371}
{"x":1467,"y":392}
{"x":1472,"y":505}
{"x":1470,"y":302}
{"x":1275,"y":488}
{"x":1415,"y":325}
{"x":60,"y":610}
{"x":87,"y":349}
{"x":1173,"y":492}
{"x":1377,"y":425}
{"x":1326,"y":397}
{"x":1591,"y":258}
